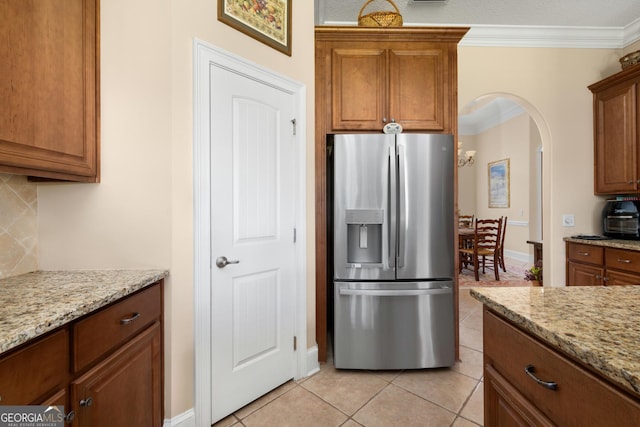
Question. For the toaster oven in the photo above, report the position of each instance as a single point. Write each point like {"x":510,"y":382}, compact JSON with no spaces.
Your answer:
{"x":621,"y":219}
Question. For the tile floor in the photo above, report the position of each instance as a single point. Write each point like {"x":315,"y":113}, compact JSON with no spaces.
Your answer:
{"x":430,"y":397}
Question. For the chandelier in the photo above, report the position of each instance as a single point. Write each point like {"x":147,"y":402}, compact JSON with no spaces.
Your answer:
{"x":467,"y":158}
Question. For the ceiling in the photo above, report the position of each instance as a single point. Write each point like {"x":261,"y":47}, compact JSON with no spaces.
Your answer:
{"x":560,"y":23}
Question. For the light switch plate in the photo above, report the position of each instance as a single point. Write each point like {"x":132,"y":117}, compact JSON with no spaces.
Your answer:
{"x":568,"y":220}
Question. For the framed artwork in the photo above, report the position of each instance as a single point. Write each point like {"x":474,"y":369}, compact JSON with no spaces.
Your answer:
{"x":499,"y":184}
{"x":268,"y":21}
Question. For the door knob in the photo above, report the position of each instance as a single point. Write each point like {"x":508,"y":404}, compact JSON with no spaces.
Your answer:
{"x":222,"y":261}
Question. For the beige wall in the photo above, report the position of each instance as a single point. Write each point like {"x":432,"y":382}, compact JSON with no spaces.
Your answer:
{"x":552,"y":85}
{"x":467,"y":178}
{"x":510,"y":140}
{"x":141,"y":214}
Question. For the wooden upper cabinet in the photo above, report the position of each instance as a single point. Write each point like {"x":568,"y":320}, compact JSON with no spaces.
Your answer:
{"x":49,"y":102}
{"x":375,"y":76}
{"x":358,"y":88}
{"x":616,"y":143}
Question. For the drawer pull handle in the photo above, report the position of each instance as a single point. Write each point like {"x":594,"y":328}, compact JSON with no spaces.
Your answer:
{"x":626,"y":261}
{"x":129,"y":320}
{"x":530,"y":370}
{"x":583,"y":253}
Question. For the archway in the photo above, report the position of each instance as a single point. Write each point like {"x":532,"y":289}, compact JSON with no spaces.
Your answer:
{"x":496,"y":118}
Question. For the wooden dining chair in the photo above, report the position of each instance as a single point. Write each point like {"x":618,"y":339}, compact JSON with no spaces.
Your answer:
{"x":486,"y":247}
{"x":503,"y":232}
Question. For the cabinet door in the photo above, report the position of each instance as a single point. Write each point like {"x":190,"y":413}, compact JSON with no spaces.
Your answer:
{"x":615,"y":139}
{"x":125,"y":389}
{"x":505,"y":406}
{"x":618,"y":278}
{"x":584,"y":275}
{"x":49,"y":90}
{"x":416,"y":88}
{"x":358,"y":89}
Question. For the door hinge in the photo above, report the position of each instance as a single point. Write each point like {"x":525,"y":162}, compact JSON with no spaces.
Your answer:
{"x":295,"y":343}
{"x":295,"y":234}
{"x":293,"y":122}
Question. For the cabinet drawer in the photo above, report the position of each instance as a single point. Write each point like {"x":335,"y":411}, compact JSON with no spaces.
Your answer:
{"x":35,"y":371}
{"x":581,"y":398}
{"x":586,"y":253}
{"x":101,"y":332}
{"x":622,"y":260}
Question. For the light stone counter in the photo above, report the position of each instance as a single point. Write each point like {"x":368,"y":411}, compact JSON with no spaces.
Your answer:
{"x":632,"y":245}
{"x":596,"y":325}
{"x":35,"y":303}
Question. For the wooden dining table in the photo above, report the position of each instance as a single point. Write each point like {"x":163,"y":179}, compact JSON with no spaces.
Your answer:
{"x":465,"y":237}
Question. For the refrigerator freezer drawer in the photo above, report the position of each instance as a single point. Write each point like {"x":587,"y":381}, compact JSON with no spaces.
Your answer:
{"x":394,"y":325}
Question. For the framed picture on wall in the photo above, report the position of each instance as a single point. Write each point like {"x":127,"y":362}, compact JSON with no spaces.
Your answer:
{"x":268,"y":21}
{"x":499,"y":184}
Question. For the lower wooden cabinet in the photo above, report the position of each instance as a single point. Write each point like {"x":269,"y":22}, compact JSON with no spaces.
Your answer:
{"x":556,"y":390}
{"x":592,"y":265}
{"x":106,"y":368}
{"x":124,"y":389}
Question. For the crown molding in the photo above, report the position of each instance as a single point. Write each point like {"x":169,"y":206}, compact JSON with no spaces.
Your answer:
{"x":539,"y":36}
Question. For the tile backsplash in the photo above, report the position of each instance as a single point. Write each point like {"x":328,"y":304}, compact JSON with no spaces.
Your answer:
{"x":18,"y":225}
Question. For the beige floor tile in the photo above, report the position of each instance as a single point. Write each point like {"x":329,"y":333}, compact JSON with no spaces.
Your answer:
{"x":351,"y":423}
{"x":473,"y":320}
{"x":298,"y":407}
{"x":474,"y":409}
{"x":397,"y":407}
{"x":471,"y":338}
{"x":345,"y":389}
{"x":388,"y":376}
{"x":261,"y":401}
{"x":461,"y":422}
{"x":444,"y":387}
{"x":470,"y":363}
{"x":227,"y":422}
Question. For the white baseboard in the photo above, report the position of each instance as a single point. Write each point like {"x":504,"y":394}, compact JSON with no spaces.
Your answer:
{"x":313,"y":366}
{"x":186,"y":419}
{"x":518,"y":256}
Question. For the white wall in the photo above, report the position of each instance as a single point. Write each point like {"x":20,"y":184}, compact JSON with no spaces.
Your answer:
{"x":141,"y":214}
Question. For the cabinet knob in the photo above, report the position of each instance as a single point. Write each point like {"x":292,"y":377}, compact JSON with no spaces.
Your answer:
{"x":384,"y":120}
{"x":598,"y":277}
{"x":69,"y":417}
{"x":606,"y":279}
{"x":86,"y":402}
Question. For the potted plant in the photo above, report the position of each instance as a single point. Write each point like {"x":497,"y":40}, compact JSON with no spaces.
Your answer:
{"x":534,"y":274}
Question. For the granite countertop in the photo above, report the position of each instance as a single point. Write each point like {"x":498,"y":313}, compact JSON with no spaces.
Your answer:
{"x":633,"y":245}
{"x":597,"y":325}
{"x":35,"y":303}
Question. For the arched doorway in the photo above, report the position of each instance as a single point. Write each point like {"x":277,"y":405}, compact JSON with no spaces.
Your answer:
{"x":498,"y":127}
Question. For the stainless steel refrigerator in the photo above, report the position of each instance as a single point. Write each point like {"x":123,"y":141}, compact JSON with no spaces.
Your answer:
{"x":393,"y":250}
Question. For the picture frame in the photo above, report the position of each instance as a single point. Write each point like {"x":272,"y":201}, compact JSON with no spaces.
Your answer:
{"x":268,"y":21}
{"x":499,"y":184}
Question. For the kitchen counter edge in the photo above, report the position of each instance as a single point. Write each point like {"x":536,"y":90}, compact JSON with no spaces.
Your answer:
{"x":579,"y":322}
{"x":39,"y":302}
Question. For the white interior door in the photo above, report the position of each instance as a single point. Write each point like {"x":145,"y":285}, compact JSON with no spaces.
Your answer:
{"x":252,"y":225}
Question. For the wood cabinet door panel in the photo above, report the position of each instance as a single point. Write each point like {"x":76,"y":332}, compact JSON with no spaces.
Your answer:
{"x":584,"y":275}
{"x":618,"y":278}
{"x":34,"y":371}
{"x":416,"y":88}
{"x":125,"y":389}
{"x":359,"y":89}
{"x":580,"y":398}
{"x":615,"y":140}
{"x":49,"y":89}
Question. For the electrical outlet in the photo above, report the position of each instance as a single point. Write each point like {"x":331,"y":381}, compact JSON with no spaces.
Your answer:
{"x":568,"y":220}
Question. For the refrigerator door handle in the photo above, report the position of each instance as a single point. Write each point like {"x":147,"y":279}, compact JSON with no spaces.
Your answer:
{"x":402,"y":211}
{"x":395,"y":292}
{"x":392,"y":182}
